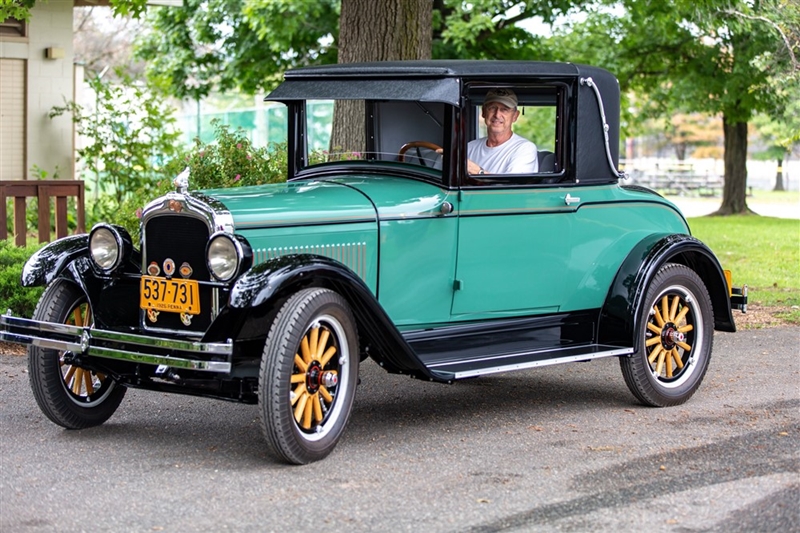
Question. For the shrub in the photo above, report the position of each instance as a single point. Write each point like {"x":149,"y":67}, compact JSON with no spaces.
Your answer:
{"x":20,"y":300}
{"x":132,"y":135}
{"x":232,"y":161}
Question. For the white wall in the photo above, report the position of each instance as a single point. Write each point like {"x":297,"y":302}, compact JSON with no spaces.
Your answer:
{"x":49,"y":142}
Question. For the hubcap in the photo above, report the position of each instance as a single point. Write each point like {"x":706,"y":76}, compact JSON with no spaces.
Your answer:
{"x":669,"y":329}
{"x":315,"y":377}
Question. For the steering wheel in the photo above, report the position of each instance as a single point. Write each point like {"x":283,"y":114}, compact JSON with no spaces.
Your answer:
{"x":418,"y":144}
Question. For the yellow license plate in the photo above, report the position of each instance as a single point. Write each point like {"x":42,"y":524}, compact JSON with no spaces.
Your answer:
{"x":171,"y":295}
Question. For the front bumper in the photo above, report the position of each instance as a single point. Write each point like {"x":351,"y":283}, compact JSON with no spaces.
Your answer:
{"x":173,"y":353}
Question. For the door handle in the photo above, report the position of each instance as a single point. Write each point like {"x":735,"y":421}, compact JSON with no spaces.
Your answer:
{"x":569,"y":200}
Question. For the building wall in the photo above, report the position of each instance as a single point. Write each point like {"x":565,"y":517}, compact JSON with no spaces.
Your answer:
{"x":48,"y":143}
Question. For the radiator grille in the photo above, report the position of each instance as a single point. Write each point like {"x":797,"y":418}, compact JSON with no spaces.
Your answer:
{"x":182,"y":239}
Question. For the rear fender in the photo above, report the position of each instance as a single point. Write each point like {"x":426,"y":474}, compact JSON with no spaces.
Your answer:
{"x":623,"y":306}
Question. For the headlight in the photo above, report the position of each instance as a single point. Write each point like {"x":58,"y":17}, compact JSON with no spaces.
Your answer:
{"x":108,"y":246}
{"x":226,"y":254}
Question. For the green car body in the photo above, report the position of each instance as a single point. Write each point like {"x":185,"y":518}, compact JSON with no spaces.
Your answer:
{"x":274,"y":294}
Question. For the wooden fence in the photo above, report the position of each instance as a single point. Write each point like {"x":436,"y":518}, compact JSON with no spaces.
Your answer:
{"x":61,"y":190}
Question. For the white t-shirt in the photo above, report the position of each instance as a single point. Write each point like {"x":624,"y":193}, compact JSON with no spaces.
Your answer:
{"x":517,"y":155}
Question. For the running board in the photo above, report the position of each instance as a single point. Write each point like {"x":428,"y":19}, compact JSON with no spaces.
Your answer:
{"x":481,"y":366}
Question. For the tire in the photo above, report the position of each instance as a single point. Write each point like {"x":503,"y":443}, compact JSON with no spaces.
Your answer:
{"x":68,"y":395}
{"x":676,"y":334}
{"x":312,"y":343}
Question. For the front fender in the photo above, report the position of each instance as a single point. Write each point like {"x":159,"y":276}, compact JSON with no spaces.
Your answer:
{"x":256,"y":296}
{"x":623,"y":306}
{"x":47,"y":264}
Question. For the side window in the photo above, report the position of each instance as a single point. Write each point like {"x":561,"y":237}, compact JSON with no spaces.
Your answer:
{"x":516,"y":137}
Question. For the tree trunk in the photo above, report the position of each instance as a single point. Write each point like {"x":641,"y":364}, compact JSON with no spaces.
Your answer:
{"x":734,"y":191}
{"x":680,"y":151}
{"x":377,"y":30}
{"x":779,"y":176}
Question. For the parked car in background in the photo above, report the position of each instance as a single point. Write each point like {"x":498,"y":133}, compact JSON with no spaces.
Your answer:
{"x":380,"y":245}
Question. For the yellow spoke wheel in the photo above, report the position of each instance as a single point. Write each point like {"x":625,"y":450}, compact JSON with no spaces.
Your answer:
{"x":309,"y":371}
{"x":70,"y":395}
{"x":675,"y":338}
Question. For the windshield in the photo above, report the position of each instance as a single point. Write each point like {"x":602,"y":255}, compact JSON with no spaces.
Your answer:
{"x":405,"y":132}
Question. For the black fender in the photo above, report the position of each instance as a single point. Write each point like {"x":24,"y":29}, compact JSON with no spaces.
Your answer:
{"x":623,"y":306}
{"x":257,"y":295}
{"x":68,"y":259}
{"x":49,"y":262}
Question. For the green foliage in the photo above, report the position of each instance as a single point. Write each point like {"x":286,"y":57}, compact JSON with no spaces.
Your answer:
{"x":223,"y":44}
{"x":213,"y":45}
{"x":536,"y":124}
{"x":17,"y":9}
{"x":132,"y":136}
{"x":762,"y":252}
{"x":729,"y":57}
{"x":488,"y":29}
{"x":21,"y":300}
{"x":232,"y":161}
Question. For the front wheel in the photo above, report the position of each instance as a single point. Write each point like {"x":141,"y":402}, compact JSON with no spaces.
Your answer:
{"x":675,"y":338}
{"x":309,"y":371}
{"x":70,"y":396}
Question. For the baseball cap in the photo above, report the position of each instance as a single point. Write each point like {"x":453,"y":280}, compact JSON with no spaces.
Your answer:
{"x":503,"y":96}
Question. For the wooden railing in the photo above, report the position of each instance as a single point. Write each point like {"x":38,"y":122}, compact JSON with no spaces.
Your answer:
{"x":61,"y":190}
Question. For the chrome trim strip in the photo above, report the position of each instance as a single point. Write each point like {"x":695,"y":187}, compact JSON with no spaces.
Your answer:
{"x":161,"y":342}
{"x":79,"y":339}
{"x":172,"y":362}
{"x":531,"y":364}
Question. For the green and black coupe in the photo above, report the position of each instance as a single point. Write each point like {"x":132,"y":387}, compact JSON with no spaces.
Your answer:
{"x":381,"y":245}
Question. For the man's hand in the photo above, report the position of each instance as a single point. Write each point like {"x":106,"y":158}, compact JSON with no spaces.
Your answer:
{"x":473,"y":168}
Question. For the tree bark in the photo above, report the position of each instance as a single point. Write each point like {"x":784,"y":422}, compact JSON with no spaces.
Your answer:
{"x":734,"y":191}
{"x":377,"y":30}
{"x":779,"y":177}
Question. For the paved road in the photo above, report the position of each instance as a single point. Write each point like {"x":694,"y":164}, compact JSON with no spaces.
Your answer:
{"x":557,"y":449}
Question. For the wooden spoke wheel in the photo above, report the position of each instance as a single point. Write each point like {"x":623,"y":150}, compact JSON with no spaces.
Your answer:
{"x":675,"y":336}
{"x":308,"y":376}
{"x":70,"y":396}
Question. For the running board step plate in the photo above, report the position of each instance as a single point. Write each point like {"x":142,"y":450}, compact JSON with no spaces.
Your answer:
{"x":481,"y":366}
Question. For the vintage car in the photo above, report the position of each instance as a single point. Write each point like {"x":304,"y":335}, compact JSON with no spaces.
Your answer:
{"x":388,"y":250}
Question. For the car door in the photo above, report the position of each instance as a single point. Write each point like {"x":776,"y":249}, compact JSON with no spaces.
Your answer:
{"x":513,"y":250}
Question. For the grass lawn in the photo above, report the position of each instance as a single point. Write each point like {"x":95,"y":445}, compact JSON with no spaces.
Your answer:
{"x":762,"y":252}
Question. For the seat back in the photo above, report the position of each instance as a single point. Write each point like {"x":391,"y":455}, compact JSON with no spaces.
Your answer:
{"x":547,"y":161}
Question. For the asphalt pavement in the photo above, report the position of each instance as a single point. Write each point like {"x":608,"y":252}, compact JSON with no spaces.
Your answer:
{"x":563,"y":448}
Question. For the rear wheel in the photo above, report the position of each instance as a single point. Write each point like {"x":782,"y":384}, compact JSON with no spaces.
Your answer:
{"x":309,"y":371}
{"x":70,"y":396}
{"x":675,"y":339}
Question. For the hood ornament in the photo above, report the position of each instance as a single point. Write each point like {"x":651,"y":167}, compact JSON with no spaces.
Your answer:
{"x":181,"y":181}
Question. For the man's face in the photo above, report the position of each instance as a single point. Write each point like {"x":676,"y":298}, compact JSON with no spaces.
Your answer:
{"x":499,"y":118}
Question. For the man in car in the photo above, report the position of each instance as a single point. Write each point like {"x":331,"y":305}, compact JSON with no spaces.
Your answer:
{"x":502,"y":151}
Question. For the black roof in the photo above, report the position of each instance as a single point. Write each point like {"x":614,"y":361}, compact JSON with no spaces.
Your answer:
{"x":440,"y":68}
{"x":425,"y":81}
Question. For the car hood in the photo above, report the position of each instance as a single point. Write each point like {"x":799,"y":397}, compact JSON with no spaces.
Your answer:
{"x":333,"y":200}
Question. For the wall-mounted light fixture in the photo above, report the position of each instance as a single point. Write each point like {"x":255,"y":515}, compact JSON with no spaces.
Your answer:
{"x":54,"y":53}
